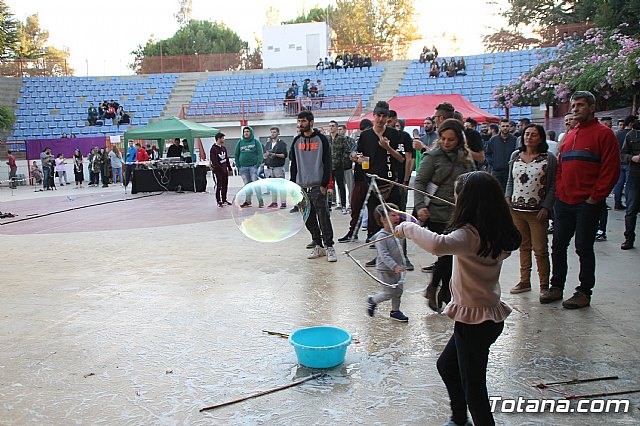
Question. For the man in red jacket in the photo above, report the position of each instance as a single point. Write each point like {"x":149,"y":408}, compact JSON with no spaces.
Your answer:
{"x":588,"y":169}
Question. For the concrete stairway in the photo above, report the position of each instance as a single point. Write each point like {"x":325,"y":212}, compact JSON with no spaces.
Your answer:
{"x":181,"y":94}
{"x":389,"y":83}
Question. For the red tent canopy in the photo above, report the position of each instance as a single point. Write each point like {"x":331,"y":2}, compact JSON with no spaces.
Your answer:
{"x":414,"y":109}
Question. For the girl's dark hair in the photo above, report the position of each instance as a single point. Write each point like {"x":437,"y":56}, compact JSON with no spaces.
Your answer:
{"x":481,"y":203}
{"x":543,"y":147}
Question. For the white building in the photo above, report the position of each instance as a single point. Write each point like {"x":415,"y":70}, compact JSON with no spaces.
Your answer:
{"x":294,"y":45}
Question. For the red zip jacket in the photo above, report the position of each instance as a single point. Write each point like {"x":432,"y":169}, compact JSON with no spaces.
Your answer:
{"x":588,"y":163}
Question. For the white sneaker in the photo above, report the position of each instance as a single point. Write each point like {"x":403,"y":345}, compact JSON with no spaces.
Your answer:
{"x":318,"y":251}
{"x":331,"y":254}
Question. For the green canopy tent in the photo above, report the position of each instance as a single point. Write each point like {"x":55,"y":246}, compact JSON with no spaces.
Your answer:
{"x":171,"y":128}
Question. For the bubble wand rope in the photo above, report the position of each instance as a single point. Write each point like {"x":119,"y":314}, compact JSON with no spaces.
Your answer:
{"x":373,"y":277}
{"x":411,"y":188}
{"x":374,"y":187}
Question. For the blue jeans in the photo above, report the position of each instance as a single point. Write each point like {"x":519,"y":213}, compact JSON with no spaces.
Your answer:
{"x":250,"y":174}
{"x":319,"y":214}
{"x":617,"y":190}
{"x":633,"y":206}
{"x":580,"y":220}
{"x":46,"y":179}
{"x":117,"y":173}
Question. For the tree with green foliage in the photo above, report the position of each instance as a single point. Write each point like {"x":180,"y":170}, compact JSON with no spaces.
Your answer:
{"x":316,"y":14}
{"x":386,"y":24}
{"x":8,"y":32}
{"x":540,"y":15}
{"x":606,"y":63}
{"x":7,"y":119}
{"x":196,"y":38}
{"x":32,"y":45}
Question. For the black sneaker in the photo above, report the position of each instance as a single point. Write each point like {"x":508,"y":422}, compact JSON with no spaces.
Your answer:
{"x":371,"y":263}
{"x":428,"y":269}
{"x":371,"y":306}
{"x":408,"y":265}
{"x":398,"y":316}
{"x":348,"y":239}
{"x":619,"y":207}
{"x":601,"y":237}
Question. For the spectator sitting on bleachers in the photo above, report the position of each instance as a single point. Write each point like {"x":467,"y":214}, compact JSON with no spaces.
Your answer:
{"x":320,"y":65}
{"x":110,"y":113}
{"x":435,"y":51}
{"x":461,"y":67}
{"x":64,"y":135}
{"x":327,"y":64}
{"x":102,"y":110}
{"x":426,"y":56}
{"x":357,"y":61}
{"x":423,"y":56}
{"x":92,"y":115}
{"x":313,"y":91}
{"x":452,"y":68}
{"x":366,"y":62}
{"x":444,"y":67}
{"x":295,"y":88}
{"x":348,"y":60}
{"x":434,"y":71}
{"x":123,"y":117}
{"x":339,"y":63}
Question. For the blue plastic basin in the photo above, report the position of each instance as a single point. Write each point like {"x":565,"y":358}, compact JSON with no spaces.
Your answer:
{"x":320,"y":347}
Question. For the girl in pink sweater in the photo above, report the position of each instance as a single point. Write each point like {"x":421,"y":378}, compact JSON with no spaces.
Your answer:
{"x":480,"y":235}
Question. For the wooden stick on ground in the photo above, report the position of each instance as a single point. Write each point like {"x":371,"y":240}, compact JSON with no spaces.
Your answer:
{"x":598,"y":395}
{"x":575,"y":381}
{"x":255,"y":395}
{"x":276,"y":333}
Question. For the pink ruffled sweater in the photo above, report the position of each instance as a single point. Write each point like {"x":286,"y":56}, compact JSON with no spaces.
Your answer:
{"x":475,"y":286}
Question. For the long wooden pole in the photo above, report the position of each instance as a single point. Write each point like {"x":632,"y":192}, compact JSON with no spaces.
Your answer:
{"x":255,"y":395}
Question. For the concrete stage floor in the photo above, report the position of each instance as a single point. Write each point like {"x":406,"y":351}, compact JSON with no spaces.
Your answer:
{"x":144,"y":311}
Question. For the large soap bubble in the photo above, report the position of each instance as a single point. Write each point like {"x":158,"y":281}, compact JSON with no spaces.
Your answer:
{"x":285,"y":209}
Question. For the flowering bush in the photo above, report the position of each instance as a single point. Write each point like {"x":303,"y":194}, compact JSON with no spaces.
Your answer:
{"x":605,"y":63}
